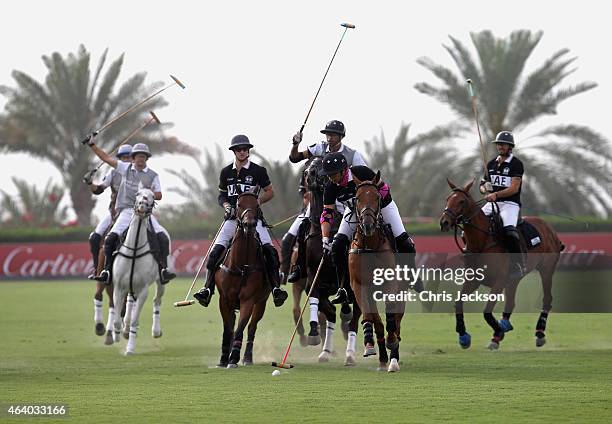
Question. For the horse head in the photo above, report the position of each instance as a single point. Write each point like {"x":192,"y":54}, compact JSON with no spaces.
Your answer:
{"x":459,"y":205}
{"x":367,"y":204}
{"x":145,"y":201}
{"x":247,"y":211}
{"x":314,"y":181}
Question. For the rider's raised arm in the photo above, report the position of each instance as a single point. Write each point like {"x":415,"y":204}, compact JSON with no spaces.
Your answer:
{"x":103,"y":155}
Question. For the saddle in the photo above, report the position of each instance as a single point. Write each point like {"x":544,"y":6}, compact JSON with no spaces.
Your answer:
{"x":154,"y":247}
{"x":528,"y":233}
{"x":242,"y":271}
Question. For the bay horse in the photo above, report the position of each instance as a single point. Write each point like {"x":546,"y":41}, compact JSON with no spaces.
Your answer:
{"x":242,"y":284}
{"x":327,"y":284}
{"x":482,"y":237}
{"x":370,"y":244}
{"x":99,"y":327}
{"x":134,"y":269}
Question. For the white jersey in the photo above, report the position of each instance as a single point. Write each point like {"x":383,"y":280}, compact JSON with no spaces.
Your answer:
{"x":352,"y":156}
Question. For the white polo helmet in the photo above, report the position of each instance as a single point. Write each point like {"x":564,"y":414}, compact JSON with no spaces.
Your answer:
{"x":124,"y":150}
{"x":141,"y":148}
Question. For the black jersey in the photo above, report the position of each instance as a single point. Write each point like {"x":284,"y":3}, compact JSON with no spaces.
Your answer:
{"x":345,"y":191}
{"x":247,"y":179}
{"x":501,"y":174}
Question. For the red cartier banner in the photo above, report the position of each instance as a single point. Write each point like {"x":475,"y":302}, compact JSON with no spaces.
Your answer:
{"x":66,"y":260}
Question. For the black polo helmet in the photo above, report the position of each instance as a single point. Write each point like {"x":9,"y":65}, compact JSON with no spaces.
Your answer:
{"x":333,"y":163}
{"x":334,"y":127}
{"x":240,"y":140}
{"x":504,"y":137}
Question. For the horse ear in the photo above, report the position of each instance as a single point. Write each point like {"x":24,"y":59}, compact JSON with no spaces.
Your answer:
{"x":451,"y":184}
{"x":356,"y":180}
{"x":238,"y":189}
{"x":469,"y":185}
{"x":376,"y":178}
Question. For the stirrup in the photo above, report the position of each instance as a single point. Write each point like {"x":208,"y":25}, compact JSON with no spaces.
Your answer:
{"x":279,"y":296}
{"x":104,"y":276}
{"x":341,"y":296}
{"x":295,"y":275}
{"x":166,"y":276}
{"x":203,"y":296}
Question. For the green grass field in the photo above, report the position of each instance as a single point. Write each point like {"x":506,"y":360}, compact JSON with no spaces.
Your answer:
{"x":49,"y":354}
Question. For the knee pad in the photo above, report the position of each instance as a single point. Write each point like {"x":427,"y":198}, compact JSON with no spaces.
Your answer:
{"x":94,"y":240}
{"x":111,"y":240}
{"x":511,"y":232}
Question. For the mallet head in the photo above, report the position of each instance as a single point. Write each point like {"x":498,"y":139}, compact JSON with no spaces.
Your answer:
{"x":154,"y":117}
{"x":347,"y":25}
{"x":285,"y":365}
{"x":180,"y":84}
{"x":184,"y":303}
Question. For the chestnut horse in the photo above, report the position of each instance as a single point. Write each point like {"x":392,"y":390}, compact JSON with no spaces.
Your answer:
{"x":241,"y":281}
{"x":370,"y":240}
{"x":481,"y":236}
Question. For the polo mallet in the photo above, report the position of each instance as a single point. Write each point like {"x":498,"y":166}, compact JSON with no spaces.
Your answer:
{"x":346,"y":27}
{"x":153,"y":118}
{"x":283,"y":221}
{"x":137,"y":105}
{"x":283,"y":363}
{"x":475,"y":110}
{"x":187,"y":302}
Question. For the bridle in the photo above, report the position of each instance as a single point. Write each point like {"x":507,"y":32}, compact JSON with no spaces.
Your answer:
{"x":367,"y":210}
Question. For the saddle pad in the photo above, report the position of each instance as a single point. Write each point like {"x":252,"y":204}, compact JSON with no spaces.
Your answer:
{"x":530,"y":234}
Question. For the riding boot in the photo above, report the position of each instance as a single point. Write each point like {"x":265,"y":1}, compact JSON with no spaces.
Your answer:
{"x":110,"y":245}
{"x":517,"y":253}
{"x":299,"y":269}
{"x":206,"y":292}
{"x":164,"y":251}
{"x":272,"y":266}
{"x":94,"y":247}
{"x":286,"y":250}
{"x":339,"y":257}
{"x":405,"y":244}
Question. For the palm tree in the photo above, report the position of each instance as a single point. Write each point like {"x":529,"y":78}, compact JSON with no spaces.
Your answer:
{"x":31,"y":207}
{"x":566,"y":163}
{"x":48,"y":119}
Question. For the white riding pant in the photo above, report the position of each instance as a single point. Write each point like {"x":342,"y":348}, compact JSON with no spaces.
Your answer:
{"x":509,"y":212}
{"x":229,"y":229}
{"x":104,"y":224}
{"x":293,"y":230}
{"x":390,"y":215}
{"x":125,"y":217}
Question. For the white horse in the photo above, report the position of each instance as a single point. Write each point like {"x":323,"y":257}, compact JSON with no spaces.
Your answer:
{"x":134,"y":269}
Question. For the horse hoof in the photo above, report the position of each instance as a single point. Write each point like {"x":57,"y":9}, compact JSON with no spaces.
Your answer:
{"x":109,"y":338}
{"x":393,"y":366}
{"x":349,"y":361}
{"x":100,"y":329}
{"x":303,"y":340}
{"x":540,"y":341}
{"x":382,"y":366}
{"x":370,"y":350}
{"x":493,"y":345}
{"x":221,"y":365}
{"x":116,"y":337}
{"x":126,"y":335}
{"x":129,"y":352}
{"x":505,"y":325}
{"x":314,"y":340}
{"x":247,"y":362}
{"x":324,"y":356}
{"x":465,"y":341}
{"x":157,"y":334}
{"x":231,"y":366}
{"x":392,"y":345}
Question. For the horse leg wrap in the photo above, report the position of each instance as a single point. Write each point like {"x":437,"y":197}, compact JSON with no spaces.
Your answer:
{"x":541,"y":324}
{"x":368,"y":332}
{"x":490,"y":319}
{"x":460,"y":326}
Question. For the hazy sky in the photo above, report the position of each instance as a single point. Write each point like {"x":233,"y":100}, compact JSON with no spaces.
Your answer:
{"x":253,"y":66}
